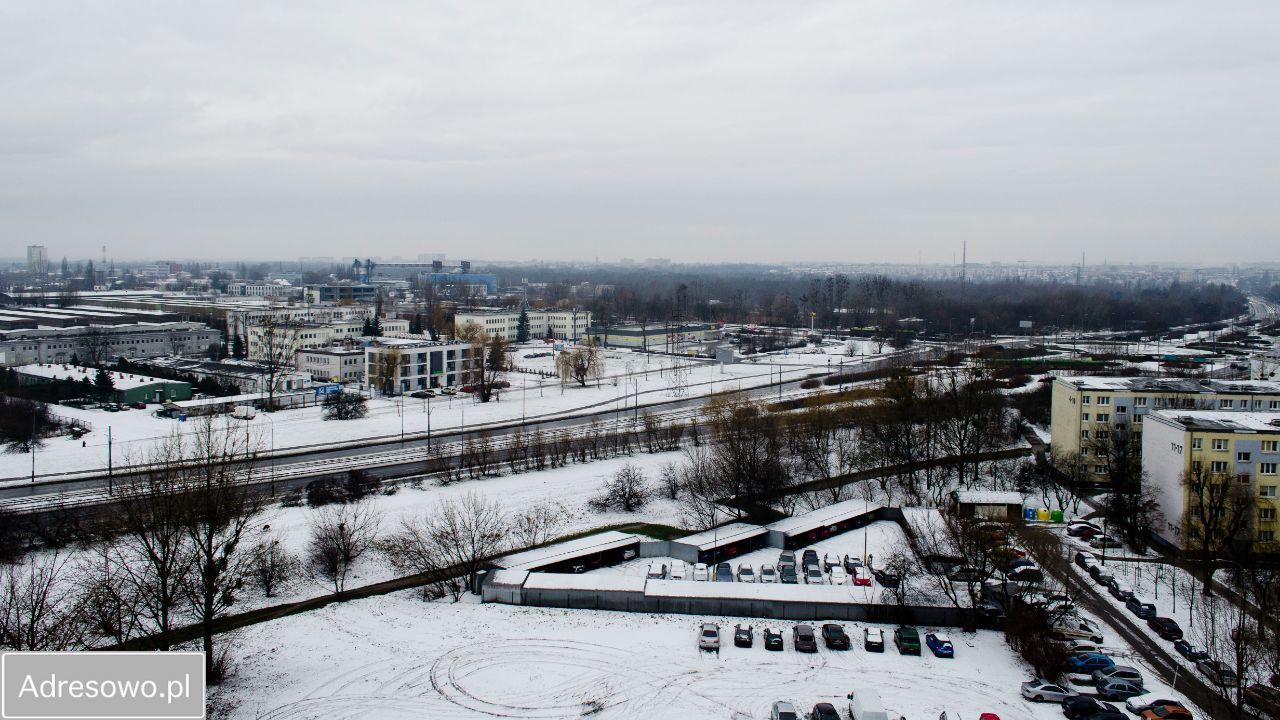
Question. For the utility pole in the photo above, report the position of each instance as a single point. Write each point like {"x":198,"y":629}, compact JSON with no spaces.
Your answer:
{"x":110,"y":488}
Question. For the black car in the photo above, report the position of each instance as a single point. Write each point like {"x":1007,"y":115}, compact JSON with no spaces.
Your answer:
{"x":833,"y":635}
{"x":1189,"y":651}
{"x":1100,"y":575}
{"x":772,"y":639}
{"x":1084,"y":559}
{"x":1119,"y":591}
{"x":851,"y":562}
{"x":886,"y":578}
{"x":1165,"y":627}
{"x":824,"y":711}
{"x":724,"y":572}
{"x":1083,"y":706}
{"x":810,"y":559}
{"x":743,"y":636}
{"x":804,"y":640}
{"x":787,"y":574}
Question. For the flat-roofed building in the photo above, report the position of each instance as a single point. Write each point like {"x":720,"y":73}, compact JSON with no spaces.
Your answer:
{"x":558,"y":324}
{"x":332,"y":364}
{"x":394,"y":366}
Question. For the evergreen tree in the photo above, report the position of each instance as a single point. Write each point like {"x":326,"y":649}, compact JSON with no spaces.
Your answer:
{"x":103,"y":384}
{"x":237,"y":347}
{"x":522,"y":326}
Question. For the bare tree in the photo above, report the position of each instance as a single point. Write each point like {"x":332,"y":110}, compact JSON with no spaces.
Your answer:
{"x":384,"y":371}
{"x":582,"y":364}
{"x":38,"y":610}
{"x":95,"y":347}
{"x":1218,"y":515}
{"x":344,"y":405}
{"x":277,"y":345}
{"x":539,"y":523}
{"x":628,"y":490}
{"x":271,"y":566}
{"x":669,"y":477}
{"x":341,"y":535}
{"x":454,"y":539}
{"x":109,"y":598}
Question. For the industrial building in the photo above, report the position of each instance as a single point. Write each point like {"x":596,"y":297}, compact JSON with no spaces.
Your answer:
{"x":244,"y":375}
{"x":128,"y":387}
{"x":1087,"y":410}
{"x":104,"y":343}
{"x":663,"y":337}
{"x":1241,"y":449}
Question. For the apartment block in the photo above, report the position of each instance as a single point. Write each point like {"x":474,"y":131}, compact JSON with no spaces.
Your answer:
{"x":559,"y":324}
{"x":1087,"y":411}
{"x":1242,"y":448}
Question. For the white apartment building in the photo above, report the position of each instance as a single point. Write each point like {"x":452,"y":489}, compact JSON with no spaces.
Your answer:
{"x":267,"y":290}
{"x":239,"y":320}
{"x":288,"y":338}
{"x":562,"y":324}
{"x":394,"y":366}
{"x":332,"y":364}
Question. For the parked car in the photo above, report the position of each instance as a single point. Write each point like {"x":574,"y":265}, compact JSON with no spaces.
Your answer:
{"x":838,"y":576}
{"x":1088,"y":534}
{"x":787,"y":557}
{"x":809,"y":558}
{"x":657,"y":570}
{"x":864,"y":704}
{"x":862,"y":577}
{"x":1076,"y":647}
{"x":940,"y":645}
{"x":700,"y":571}
{"x":803,"y":639}
{"x":1075,"y":527}
{"x":709,"y":637}
{"x":1122,"y":673}
{"x":851,"y":562}
{"x":1082,"y":706}
{"x":1100,"y":574}
{"x":1189,"y":651}
{"x":783,"y":711}
{"x":814,"y":576}
{"x":907,"y":640}
{"x":873,"y":639}
{"x":1166,"y":628}
{"x":1166,"y":712}
{"x":834,"y":637}
{"x":676,"y":571}
{"x":964,"y":573}
{"x":768,"y":574}
{"x":1042,"y":690}
{"x":1218,"y":673}
{"x":772,"y":639}
{"x":1119,"y":591}
{"x":1085,"y":559}
{"x":1264,"y":698}
{"x":1117,"y":690}
{"x":886,"y":578}
{"x":824,"y":711}
{"x":1068,"y":629}
{"x":1105,"y":542}
{"x":1140,"y":607}
{"x":743,"y":637}
{"x":1026,"y":573}
{"x":1088,"y":662}
{"x":829,"y":561}
{"x":787,"y":574}
{"x":724,"y":572}
{"x":1138,"y":703}
{"x":745,"y":573}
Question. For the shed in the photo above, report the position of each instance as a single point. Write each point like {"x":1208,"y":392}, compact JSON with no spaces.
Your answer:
{"x":801,"y":530}
{"x":720,"y":543}
{"x":997,"y":505}
{"x":575,"y":556}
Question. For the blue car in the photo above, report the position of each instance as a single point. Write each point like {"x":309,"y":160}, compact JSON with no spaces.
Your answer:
{"x":1088,"y":662}
{"x":940,"y":645}
{"x":1189,"y":651}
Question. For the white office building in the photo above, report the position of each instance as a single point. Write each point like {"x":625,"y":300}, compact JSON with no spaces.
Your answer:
{"x":394,"y":366}
{"x":561,"y":324}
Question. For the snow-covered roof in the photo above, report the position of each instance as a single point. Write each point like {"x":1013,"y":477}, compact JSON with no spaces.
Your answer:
{"x":1173,"y":385}
{"x":1219,"y":420}
{"x":585,"y":581}
{"x":988,"y":497}
{"x":559,"y":552}
{"x":508,"y":577}
{"x":721,"y":536}
{"x":821,"y":517}
{"x":120,"y":381}
{"x":246,"y":399}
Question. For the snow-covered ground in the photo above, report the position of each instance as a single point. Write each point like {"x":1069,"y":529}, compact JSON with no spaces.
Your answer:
{"x":398,"y":657}
{"x":630,"y":378}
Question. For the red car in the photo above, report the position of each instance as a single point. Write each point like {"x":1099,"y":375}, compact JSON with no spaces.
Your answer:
{"x":861,"y":576}
{"x":988,"y":716}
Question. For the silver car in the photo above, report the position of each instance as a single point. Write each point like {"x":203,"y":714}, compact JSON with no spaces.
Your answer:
{"x":1042,"y":690}
{"x":814,"y":576}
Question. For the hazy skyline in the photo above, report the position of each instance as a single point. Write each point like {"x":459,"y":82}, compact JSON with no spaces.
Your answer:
{"x":743,"y":131}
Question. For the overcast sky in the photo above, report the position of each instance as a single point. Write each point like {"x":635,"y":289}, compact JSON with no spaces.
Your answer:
{"x":749,"y":131}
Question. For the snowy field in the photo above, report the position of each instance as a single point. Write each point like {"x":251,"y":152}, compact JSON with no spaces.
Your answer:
{"x":630,"y":378}
{"x":398,"y":657}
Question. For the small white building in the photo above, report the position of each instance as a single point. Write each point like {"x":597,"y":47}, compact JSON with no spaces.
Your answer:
{"x":332,"y":364}
{"x":394,"y":366}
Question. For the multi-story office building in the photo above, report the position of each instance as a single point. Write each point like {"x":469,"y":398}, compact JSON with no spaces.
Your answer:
{"x":393,"y":366}
{"x":37,"y":260}
{"x":241,"y":317}
{"x":559,"y":324}
{"x":267,"y":290}
{"x":266,"y":340}
{"x":332,"y":364}
{"x":1088,"y":412}
{"x":1240,"y":448}
{"x":342,"y":293}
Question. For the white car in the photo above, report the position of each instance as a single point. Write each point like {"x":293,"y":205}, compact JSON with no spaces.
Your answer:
{"x":768,"y":574}
{"x":677,"y":570}
{"x":745,"y":573}
{"x":657,"y":570}
{"x":829,"y":561}
{"x":839,"y":576}
{"x":814,"y":576}
{"x":709,"y":637}
{"x":700,"y":572}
